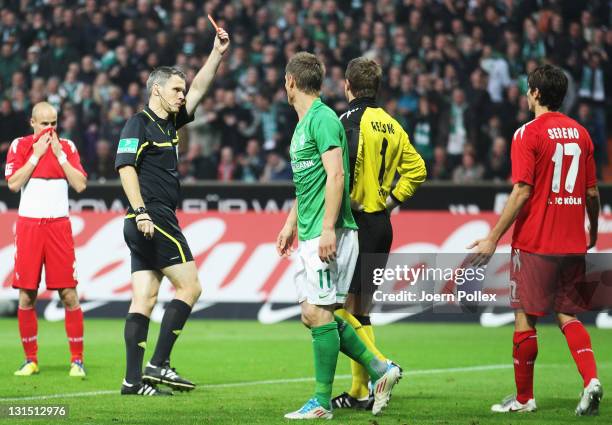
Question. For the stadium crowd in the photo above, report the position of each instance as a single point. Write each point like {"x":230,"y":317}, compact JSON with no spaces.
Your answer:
{"x":454,"y":74}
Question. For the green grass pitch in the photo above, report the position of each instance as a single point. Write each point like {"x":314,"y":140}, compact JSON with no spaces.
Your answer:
{"x":252,"y":374}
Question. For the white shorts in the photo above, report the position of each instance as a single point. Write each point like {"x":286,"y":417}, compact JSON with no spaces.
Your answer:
{"x":320,"y":283}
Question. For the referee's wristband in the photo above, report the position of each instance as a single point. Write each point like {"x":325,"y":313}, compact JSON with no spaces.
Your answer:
{"x":33,"y":160}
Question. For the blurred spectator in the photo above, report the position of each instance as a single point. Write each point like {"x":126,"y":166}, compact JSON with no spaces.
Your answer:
{"x":585,"y":117}
{"x":227,"y":167}
{"x":234,"y":122}
{"x":499,"y":74}
{"x":55,"y":62}
{"x":184,"y":169}
{"x":205,"y":129}
{"x":31,"y":66}
{"x":439,"y":167}
{"x":88,"y":109}
{"x":265,"y":122}
{"x":9,"y":63}
{"x":469,"y":171}
{"x":69,"y":127}
{"x":13,"y":124}
{"x":455,"y":124}
{"x":423,"y":132}
{"x":593,"y":90}
{"x":103,"y":167}
{"x":87,"y":72}
{"x":498,"y":165}
{"x":202,"y":167}
{"x":464,"y":62}
{"x":478,"y":112}
{"x":251,"y":163}
{"x":276,"y":168}
{"x":533,"y":45}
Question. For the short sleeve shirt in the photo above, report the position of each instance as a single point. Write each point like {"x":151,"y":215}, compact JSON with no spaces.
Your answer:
{"x":317,"y":132}
{"x":150,"y":144}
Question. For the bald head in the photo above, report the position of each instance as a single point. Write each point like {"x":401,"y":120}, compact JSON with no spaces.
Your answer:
{"x":44,"y":115}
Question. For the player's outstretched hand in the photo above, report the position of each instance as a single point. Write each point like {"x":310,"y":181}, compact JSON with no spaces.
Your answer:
{"x":284,"y":241}
{"x":145,"y":225}
{"x":327,"y":246}
{"x":222,"y":41}
{"x":485,"y":248}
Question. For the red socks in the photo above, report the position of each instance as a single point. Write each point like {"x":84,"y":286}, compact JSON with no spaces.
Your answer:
{"x":28,"y":329}
{"x":74,"y":331}
{"x":524,"y":352}
{"x":579,"y":343}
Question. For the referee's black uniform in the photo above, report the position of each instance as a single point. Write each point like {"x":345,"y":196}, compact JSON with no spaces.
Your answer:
{"x":150,"y":144}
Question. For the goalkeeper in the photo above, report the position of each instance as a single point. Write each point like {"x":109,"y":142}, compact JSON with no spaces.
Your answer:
{"x":379,"y":149}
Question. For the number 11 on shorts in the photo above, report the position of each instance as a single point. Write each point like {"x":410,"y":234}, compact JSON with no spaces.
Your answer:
{"x":327,"y":277}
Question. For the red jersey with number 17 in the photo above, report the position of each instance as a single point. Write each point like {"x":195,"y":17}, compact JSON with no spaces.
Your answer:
{"x":554,"y":155}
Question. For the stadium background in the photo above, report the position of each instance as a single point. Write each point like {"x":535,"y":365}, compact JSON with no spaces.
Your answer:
{"x":454,"y":75}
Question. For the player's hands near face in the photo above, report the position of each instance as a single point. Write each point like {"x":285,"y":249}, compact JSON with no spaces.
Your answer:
{"x":284,"y":241}
{"x":56,"y":146}
{"x":222,"y":41}
{"x":145,"y":225}
{"x":327,"y":245}
{"x":484,"y":249}
{"x":42,"y":144}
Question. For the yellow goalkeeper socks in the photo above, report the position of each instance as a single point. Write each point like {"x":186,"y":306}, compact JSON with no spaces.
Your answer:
{"x":359,"y":386}
{"x":362,"y":330}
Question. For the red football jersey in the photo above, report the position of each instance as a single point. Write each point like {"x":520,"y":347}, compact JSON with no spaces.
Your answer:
{"x":554,"y":155}
{"x":45,"y":195}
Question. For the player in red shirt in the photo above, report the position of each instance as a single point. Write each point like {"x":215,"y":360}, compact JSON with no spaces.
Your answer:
{"x":42,"y":166}
{"x":553,"y":172}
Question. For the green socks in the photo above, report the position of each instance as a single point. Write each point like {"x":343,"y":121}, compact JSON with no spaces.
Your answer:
{"x":326,"y":345}
{"x":327,"y":341}
{"x":353,"y":346}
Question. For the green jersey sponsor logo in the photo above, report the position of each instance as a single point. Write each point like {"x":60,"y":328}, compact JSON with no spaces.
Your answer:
{"x":128,"y":145}
{"x":301,"y":165}
{"x":317,"y":132}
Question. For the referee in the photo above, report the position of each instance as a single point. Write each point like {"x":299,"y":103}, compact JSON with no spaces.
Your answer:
{"x":379,"y":149}
{"x":147,"y":163}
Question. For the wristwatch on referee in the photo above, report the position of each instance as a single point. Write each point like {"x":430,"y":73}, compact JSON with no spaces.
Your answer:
{"x":140,"y":210}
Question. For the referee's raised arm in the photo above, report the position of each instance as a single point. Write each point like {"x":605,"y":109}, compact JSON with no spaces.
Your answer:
{"x":201,"y":82}
{"x":147,"y":161}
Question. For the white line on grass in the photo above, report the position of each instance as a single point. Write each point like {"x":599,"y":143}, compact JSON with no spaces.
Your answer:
{"x":274,"y":381}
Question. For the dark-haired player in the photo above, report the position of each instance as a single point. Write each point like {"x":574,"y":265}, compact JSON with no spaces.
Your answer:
{"x":553,"y":172}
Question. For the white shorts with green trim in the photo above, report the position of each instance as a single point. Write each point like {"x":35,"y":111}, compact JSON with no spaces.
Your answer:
{"x":320,"y":283}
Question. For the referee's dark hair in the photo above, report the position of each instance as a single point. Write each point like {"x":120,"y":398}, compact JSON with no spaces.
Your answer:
{"x":363,"y":76}
{"x":551,"y":83}
{"x":161,"y":74}
{"x":307,"y":71}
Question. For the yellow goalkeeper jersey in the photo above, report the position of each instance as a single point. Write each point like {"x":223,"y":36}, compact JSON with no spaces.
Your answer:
{"x":379,"y":150}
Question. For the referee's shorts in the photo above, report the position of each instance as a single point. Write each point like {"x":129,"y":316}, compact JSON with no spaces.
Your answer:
{"x":167,"y":247}
{"x":375,"y":237}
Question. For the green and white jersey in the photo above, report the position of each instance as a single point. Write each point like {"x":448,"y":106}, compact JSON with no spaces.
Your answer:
{"x":318,"y":131}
